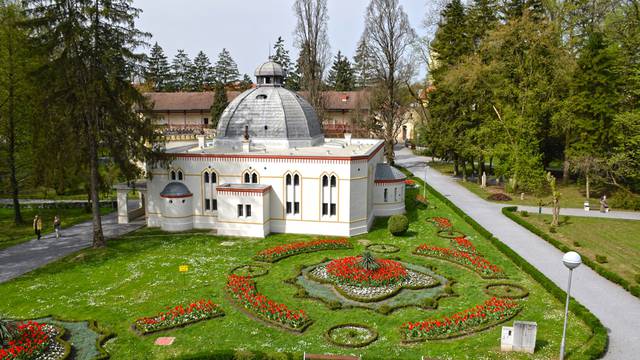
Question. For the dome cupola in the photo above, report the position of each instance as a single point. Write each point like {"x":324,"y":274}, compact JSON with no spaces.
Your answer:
{"x":269,"y":74}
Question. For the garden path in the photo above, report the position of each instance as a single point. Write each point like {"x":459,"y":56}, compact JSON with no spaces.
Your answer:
{"x":629,"y":215}
{"x":618,"y":310}
{"x":28,"y":256}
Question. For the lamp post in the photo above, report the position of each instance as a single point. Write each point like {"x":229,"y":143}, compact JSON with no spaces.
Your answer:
{"x":426,"y":166}
{"x":571,"y":260}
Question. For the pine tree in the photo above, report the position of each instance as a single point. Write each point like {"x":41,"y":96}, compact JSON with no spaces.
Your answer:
{"x":226,"y":70}
{"x":282,"y":57}
{"x":246,"y":83}
{"x":294,"y":78}
{"x":202,"y":74}
{"x":220,"y":103}
{"x":157,"y":70}
{"x":452,"y":39}
{"x":182,"y":72}
{"x":341,"y":74}
{"x":482,"y":18}
{"x":364,"y":72}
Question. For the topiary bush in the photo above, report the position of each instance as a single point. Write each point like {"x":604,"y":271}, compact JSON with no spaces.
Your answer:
{"x":398,"y":224}
{"x":601,"y":259}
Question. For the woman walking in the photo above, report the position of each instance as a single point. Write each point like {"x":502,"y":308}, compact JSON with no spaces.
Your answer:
{"x":56,"y":226}
{"x":37,"y":226}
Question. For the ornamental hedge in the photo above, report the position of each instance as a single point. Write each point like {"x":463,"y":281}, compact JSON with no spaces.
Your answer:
{"x":597,"y":345}
{"x":178,"y":316}
{"x":280,"y":252}
{"x":398,"y":224}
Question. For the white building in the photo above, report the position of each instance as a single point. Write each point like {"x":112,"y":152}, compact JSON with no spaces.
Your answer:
{"x":270,"y":170}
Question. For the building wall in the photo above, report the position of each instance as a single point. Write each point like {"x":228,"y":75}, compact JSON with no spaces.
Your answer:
{"x":181,"y":119}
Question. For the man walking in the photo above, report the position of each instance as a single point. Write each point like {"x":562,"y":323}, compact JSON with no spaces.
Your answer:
{"x":37,"y":226}
{"x":56,"y":226}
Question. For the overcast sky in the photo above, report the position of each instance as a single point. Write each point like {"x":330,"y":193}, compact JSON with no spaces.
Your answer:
{"x":247,"y":28}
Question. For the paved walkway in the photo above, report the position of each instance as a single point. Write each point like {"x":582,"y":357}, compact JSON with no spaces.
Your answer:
{"x":629,"y":215}
{"x":618,"y":310}
{"x":25,"y":257}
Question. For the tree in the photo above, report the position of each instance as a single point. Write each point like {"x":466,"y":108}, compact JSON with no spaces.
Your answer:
{"x":157,"y":71}
{"x":313,"y":45}
{"x":182,"y":72}
{"x":293,"y":81}
{"x":220,"y":103}
{"x":246,"y":83}
{"x":226,"y":70}
{"x":341,"y":74}
{"x":202,"y":72}
{"x":364,"y":73}
{"x":555,"y":199}
{"x":281,"y":56}
{"x":389,"y":37}
{"x":89,"y":63}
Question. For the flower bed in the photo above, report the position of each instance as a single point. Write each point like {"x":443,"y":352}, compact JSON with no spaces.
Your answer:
{"x":282,"y":251}
{"x":490,"y":313}
{"x":409,"y":182}
{"x":179,"y":316}
{"x":464,"y":245}
{"x":30,"y":340}
{"x":383,"y":248}
{"x":506,"y":291}
{"x":474,"y":261}
{"x":442,"y":223}
{"x":421,"y":199}
{"x":351,"y":335}
{"x":349,"y":271}
{"x":243,"y":290}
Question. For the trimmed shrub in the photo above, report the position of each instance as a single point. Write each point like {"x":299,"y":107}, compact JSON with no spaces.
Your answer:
{"x":524,"y":213}
{"x":601,"y":259}
{"x":398,"y":224}
{"x":577,"y":244}
{"x":429,"y":303}
{"x":499,"y":197}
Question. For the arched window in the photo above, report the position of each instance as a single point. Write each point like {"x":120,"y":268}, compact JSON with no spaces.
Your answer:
{"x":325,"y":195}
{"x":333,"y":202}
{"x":206,"y":177}
{"x":214,"y":178}
{"x":296,"y":194}
{"x":209,"y":195}
{"x":292,"y":194}
{"x":288,"y":194}
{"x":250,"y":177}
{"x":247,"y":178}
{"x":386,"y":193}
{"x":395,"y":194}
{"x":172,"y":175}
{"x":329,"y":195}
{"x":254,"y":178}
{"x":180,"y":176}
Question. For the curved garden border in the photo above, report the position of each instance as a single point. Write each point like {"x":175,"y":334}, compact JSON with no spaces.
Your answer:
{"x":451,"y":234}
{"x":373,"y":335}
{"x":265,"y":270}
{"x":302,"y":250}
{"x":523,"y":291}
{"x":503,"y":276}
{"x":394,"y":249}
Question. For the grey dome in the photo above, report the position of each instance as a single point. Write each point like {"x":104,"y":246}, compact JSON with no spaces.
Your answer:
{"x":175,"y":189}
{"x":269,"y":68}
{"x":272,"y":115}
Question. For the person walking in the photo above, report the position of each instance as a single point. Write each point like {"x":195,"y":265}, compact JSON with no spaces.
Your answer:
{"x":56,"y":226}
{"x":37,"y":226}
{"x":604,"y":206}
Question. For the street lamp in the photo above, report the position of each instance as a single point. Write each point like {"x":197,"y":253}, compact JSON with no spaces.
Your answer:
{"x":571,"y":260}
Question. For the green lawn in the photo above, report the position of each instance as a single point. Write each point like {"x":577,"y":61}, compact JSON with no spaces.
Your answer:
{"x":138,"y":276}
{"x":618,"y":240}
{"x":13,"y":235}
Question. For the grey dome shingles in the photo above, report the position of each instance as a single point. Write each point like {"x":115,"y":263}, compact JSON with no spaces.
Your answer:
{"x":175,"y":189}
{"x":269,"y":68}
{"x":269,"y":113}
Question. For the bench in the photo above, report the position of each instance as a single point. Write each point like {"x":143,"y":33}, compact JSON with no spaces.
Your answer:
{"x":329,"y":357}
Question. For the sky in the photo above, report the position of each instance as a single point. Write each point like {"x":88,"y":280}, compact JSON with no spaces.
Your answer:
{"x":249,"y":28}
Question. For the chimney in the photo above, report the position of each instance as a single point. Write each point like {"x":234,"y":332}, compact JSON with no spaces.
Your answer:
{"x":347,"y":138}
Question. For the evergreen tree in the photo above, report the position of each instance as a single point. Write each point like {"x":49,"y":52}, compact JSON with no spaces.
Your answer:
{"x":88,"y":47}
{"x":341,"y":74}
{"x":294,"y":78}
{"x":202,"y":74}
{"x":452,"y":40}
{"x":157,"y":71}
{"x":364,"y":73}
{"x":220,"y":103}
{"x":282,"y":57}
{"x":246,"y":83}
{"x":182,"y":72}
{"x":226,"y":70}
{"x":482,"y":18}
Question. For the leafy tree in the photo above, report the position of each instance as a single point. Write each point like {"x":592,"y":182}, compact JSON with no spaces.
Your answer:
{"x":89,"y":65}
{"x":220,"y":103}
{"x":182,"y":72}
{"x":202,"y":72}
{"x":341,"y":74}
{"x":157,"y":71}
{"x":364,"y":73}
{"x":226,"y":70}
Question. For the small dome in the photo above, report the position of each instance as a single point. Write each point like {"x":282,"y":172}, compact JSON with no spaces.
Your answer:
{"x":175,"y":189}
{"x":269,"y":68}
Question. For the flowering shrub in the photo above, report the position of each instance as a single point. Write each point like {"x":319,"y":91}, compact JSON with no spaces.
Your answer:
{"x":474,"y":261}
{"x":409,"y":182}
{"x":464,"y":245}
{"x":243,"y":290}
{"x":179,"y":315}
{"x":29,"y":341}
{"x":421,"y":199}
{"x":282,"y":251}
{"x":491,"y":312}
{"x":442,"y":223}
{"x":349,"y":271}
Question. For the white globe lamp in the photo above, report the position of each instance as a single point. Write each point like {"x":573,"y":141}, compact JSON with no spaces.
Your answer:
{"x":571,"y":260}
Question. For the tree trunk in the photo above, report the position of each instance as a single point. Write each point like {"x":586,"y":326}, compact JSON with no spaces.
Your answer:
{"x":565,"y":171}
{"x":491,"y":165}
{"x":587,"y":180}
{"x":388,"y":151}
{"x":473,"y":165}
{"x":455,"y":165}
{"x":11,"y":120}
{"x":464,"y":170}
{"x":483,"y":168}
{"x":98,"y":236}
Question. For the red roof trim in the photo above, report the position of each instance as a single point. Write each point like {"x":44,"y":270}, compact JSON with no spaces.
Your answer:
{"x":223,"y":188}
{"x":388,"y":181}
{"x":176,"y":196}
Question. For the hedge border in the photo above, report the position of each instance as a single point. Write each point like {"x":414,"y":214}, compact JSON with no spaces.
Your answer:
{"x":523,"y":295}
{"x":470,"y":268}
{"x":510,"y":212}
{"x":373,"y":335}
{"x":446,"y":234}
{"x":597,"y":345}
{"x":263,"y":267}
{"x":168,"y":328}
{"x":397,"y":248}
{"x":350,"y":246}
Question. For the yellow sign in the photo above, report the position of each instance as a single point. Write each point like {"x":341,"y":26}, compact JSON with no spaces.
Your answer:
{"x":183,"y":268}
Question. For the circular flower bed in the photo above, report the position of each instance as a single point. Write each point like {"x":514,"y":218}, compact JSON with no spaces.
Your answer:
{"x":350,"y":271}
{"x":252,"y":270}
{"x":351,"y":335}
{"x":451,"y":234}
{"x":383,"y":248}
{"x":32,"y":340}
{"x":506,"y":291}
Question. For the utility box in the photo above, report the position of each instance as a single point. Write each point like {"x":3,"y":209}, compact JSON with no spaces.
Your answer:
{"x":520,"y":337}
{"x":506,"y":340}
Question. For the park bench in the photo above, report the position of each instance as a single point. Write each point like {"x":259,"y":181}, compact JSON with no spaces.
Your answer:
{"x":329,"y":357}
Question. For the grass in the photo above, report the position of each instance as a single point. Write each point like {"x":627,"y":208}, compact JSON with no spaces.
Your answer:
{"x":13,"y":235}
{"x":618,"y":240}
{"x":138,"y":274}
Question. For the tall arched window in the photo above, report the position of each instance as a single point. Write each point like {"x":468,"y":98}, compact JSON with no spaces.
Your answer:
{"x":329,"y":195}
{"x":206,"y":177}
{"x":333,"y":202}
{"x":296,"y":194}
{"x":292,"y":194}
{"x":325,"y":195}
{"x":254,"y":178}
{"x":250,"y":177}
{"x":386,"y":195}
{"x":180,"y":175}
{"x":247,"y":178}
{"x":288,"y":194}
{"x":210,"y":180}
{"x":395,"y":194}
{"x":172,"y":175}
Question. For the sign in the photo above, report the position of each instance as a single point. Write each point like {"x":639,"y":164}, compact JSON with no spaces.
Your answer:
{"x":183,"y":268}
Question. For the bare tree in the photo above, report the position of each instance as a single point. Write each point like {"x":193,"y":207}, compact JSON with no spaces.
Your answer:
{"x":390,"y":38}
{"x":313,"y":44}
